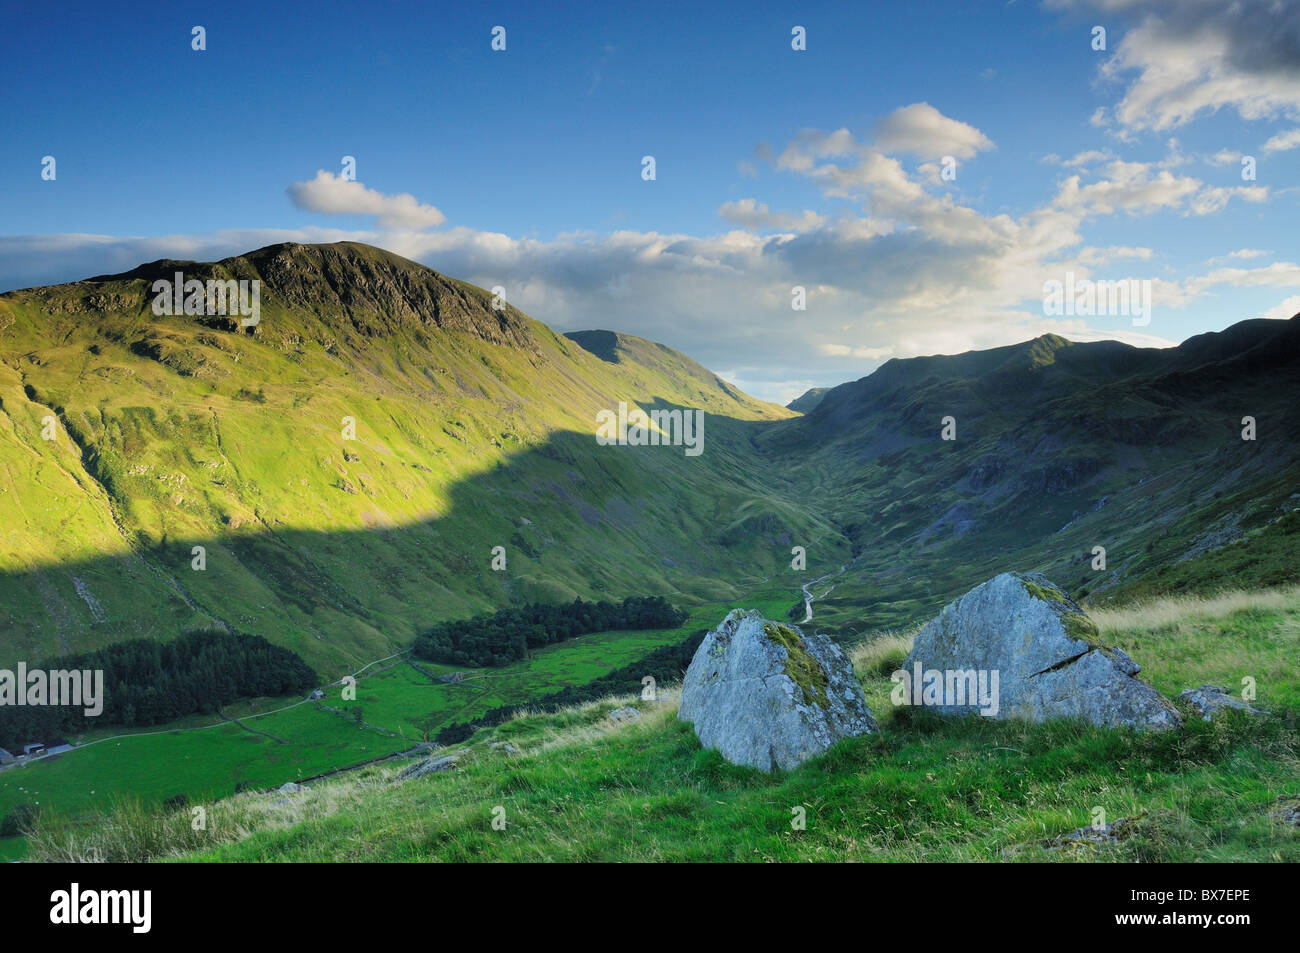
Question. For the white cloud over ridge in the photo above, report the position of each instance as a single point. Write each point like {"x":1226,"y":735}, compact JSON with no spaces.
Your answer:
{"x":905,"y":268}
{"x":923,"y":131}
{"x":331,"y":194}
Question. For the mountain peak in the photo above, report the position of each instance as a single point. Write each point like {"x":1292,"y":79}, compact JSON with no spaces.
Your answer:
{"x":356,"y":291}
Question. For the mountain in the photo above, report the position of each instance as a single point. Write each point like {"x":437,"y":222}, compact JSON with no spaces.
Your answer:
{"x":475,"y":428}
{"x":808,"y":400}
{"x":1059,"y":448}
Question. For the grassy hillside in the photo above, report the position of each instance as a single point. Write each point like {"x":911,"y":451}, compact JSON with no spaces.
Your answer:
{"x":1059,"y":448}
{"x":586,"y":788}
{"x":266,"y":742}
{"x":474,"y":428}
{"x":808,"y":400}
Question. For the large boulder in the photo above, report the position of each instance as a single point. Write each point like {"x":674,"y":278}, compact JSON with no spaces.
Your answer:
{"x":1022,"y":637}
{"x":767,"y":696}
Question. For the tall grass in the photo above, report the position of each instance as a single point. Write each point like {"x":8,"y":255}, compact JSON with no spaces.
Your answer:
{"x":1161,"y":613}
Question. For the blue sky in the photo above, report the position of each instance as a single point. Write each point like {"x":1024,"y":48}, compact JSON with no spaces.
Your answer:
{"x":820,"y":168}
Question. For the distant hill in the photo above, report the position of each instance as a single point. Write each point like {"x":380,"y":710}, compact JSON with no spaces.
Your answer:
{"x":639,"y":357}
{"x":1060,"y":447}
{"x":808,"y":400}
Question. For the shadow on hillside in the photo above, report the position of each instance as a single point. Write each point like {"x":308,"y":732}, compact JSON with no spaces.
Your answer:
{"x":574,"y":519}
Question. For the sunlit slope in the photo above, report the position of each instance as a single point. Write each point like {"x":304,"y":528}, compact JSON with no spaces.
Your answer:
{"x":474,"y":428}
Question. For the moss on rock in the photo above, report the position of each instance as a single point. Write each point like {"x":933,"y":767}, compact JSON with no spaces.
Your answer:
{"x":804,"y":670}
{"x":1079,"y":626}
{"x":1043,"y":592}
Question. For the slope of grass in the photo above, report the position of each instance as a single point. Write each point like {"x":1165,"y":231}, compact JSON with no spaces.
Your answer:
{"x":474,"y":428}
{"x":587,"y":788}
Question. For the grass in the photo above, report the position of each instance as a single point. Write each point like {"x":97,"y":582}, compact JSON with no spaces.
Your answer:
{"x":973,"y":789}
{"x":405,"y":707}
{"x":1220,"y":639}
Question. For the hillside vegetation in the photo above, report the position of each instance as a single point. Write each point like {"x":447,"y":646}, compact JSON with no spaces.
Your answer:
{"x":474,"y":428}
{"x":1059,"y":448}
{"x":584,"y":787}
{"x":347,"y":474}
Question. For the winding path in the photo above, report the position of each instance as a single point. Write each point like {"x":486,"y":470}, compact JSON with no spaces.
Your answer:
{"x":808,"y":597}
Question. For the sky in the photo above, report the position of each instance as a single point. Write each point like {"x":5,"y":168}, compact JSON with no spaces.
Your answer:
{"x":922,"y":171}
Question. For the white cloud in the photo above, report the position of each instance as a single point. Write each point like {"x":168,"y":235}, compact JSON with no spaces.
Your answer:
{"x":1285,"y":309}
{"x":1185,"y":58}
{"x":862,"y":353}
{"x":1130,"y":188}
{"x":1104,"y":256}
{"x":1088,"y":157}
{"x":1280,"y":274}
{"x":329,"y":194}
{"x":755,"y":215}
{"x":1213,"y":199}
{"x":1224,"y":157}
{"x":1283,"y":141}
{"x":1134,"y":188}
{"x":923,"y":131}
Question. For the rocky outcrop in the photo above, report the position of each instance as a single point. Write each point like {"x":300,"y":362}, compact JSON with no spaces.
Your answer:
{"x":1209,"y":700}
{"x":1287,"y":810}
{"x":427,"y":766}
{"x":1032,"y":653}
{"x":765,"y":695}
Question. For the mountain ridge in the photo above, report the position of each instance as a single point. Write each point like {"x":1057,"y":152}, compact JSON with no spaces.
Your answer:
{"x":348,"y":486}
{"x":474,"y":429}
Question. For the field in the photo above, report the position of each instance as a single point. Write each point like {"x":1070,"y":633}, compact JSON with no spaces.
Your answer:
{"x":205,"y":761}
{"x":585,"y":788}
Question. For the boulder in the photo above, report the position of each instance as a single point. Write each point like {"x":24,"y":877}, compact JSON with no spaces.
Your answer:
{"x":1209,"y":700}
{"x":1027,"y":641}
{"x":1083,"y":839}
{"x":626,"y":713}
{"x":1287,"y":810}
{"x":765,"y":695}
{"x":427,"y":766}
{"x":291,"y":787}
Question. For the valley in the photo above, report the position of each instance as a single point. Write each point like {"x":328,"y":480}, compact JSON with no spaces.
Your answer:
{"x":384,"y":451}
